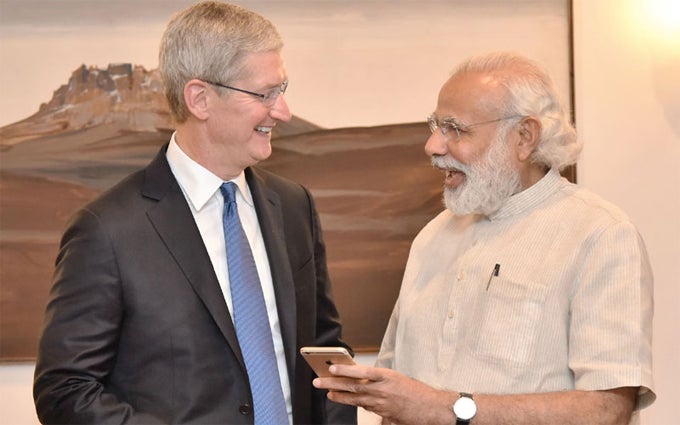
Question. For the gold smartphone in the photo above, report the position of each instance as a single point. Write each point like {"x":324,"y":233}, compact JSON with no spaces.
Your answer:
{"x":320,"y":358}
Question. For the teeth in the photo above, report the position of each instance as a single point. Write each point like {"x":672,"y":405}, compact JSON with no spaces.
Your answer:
{"x":263,"y":129}
{"x":453,"y":171}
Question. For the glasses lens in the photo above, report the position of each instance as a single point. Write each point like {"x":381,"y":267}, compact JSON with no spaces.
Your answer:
{"x":270,"y":96}
{"x":432,"y":123}
{"x":447,"y":126}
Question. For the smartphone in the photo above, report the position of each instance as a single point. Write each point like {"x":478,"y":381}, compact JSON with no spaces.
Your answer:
{"x":320,"y":358}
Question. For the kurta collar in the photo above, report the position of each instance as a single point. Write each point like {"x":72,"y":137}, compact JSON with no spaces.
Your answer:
{"x":529,"y":198}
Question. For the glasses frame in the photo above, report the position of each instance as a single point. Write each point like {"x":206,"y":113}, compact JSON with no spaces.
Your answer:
{"x":446,"y":124}
{"x":268,"y":99}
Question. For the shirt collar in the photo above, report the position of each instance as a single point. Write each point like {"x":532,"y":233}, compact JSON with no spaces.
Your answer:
{"x":243,"y":188}
{"x":198,"y":183}
{"x":530,"y":197}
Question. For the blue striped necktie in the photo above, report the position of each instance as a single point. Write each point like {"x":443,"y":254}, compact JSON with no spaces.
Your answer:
{"x":250,"y":318}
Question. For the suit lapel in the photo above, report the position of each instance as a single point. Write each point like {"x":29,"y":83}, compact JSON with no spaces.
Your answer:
{"x":175,"y":225}
{"x":268,"y":207}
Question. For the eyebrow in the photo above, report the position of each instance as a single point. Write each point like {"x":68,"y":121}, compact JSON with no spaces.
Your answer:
{"x":450,"y":119}
{"x":275,"y":85}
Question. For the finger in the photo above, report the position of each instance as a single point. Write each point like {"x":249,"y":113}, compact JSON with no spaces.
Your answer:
{"x":346,"y":398}
{"x":337,"y":384}
{"x":365,"y":373}
{"x":351,"y":371}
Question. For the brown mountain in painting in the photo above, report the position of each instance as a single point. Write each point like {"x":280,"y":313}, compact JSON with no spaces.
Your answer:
{"x":373,"y":187}
{"x":121,"y":95}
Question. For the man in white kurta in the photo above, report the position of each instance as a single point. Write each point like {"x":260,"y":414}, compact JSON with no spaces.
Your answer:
{"x":563,"y":313}
{"x":529,"y":299}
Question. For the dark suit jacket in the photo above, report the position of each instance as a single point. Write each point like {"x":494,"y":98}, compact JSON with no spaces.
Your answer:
{"x":137,"y":329}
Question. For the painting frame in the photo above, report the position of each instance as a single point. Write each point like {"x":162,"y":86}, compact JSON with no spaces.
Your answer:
{"x":370,"y":314}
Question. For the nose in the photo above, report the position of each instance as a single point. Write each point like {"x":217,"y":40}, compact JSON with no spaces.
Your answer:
{"x":280,"y":111}
{"x":436,"y":144}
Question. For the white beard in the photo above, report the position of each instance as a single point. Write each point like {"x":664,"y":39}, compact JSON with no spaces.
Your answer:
{"x":488,"y":182}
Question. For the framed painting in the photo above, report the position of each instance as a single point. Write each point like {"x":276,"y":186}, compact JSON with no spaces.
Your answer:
{"x":82,"y":107}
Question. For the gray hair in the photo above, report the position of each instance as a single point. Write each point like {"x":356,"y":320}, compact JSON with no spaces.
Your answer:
{"x":209,"y":41}
{"x":531,"y":91}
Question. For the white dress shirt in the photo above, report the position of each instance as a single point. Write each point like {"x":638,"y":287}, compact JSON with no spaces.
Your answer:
{"x":201,"y":189}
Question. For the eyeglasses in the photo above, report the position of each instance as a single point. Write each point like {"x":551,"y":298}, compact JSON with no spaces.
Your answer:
{"x":447,"y":125}
{"x":268,"y":98}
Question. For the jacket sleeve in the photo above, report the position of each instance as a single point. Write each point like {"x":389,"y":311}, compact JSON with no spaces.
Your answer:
{"x":77,"y":349}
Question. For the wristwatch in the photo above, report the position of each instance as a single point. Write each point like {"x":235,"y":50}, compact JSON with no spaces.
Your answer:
{"x":464,"y":408}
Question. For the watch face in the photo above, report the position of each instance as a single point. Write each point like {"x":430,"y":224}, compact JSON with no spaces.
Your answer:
{"x":465,"y":408}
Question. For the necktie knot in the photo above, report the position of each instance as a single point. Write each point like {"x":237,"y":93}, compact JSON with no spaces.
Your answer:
{"x":228,"y":190}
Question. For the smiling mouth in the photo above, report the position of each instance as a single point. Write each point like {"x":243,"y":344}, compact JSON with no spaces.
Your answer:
{"x":452,"y":171}
{"x":454,"y":177}
{"x":449,"y":171}
{"x":264,"y":130}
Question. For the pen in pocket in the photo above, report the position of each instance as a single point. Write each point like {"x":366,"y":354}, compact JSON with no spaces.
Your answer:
{"x":494,"y":272}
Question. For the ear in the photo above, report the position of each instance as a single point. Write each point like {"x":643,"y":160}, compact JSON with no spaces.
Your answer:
{"x":196,"y":98}
{"x":529,"y":137}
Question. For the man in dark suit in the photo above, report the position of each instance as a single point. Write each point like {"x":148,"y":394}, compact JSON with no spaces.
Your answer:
{"x":140,"y":324}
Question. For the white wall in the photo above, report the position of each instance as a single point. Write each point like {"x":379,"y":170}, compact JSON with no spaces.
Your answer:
{"x":16,"y":399}
{"x":627,"y":73}
{"x":628,"y":113}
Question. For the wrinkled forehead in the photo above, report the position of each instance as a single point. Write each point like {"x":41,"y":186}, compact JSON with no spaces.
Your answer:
{"x":470,"y":95}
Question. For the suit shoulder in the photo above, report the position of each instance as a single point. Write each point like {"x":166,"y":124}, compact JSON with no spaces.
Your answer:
{"x":149,"y":183}
{"x":121,"y":194}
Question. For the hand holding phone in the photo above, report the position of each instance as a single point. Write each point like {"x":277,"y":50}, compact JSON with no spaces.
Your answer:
{"x":321,"y":358}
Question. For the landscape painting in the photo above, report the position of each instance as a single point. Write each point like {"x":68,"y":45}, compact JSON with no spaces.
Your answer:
{"x":356,"y":138}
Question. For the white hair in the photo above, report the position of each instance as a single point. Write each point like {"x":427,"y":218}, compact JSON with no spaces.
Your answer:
{"x":531,"y":92}
{"x":210,"y":41}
